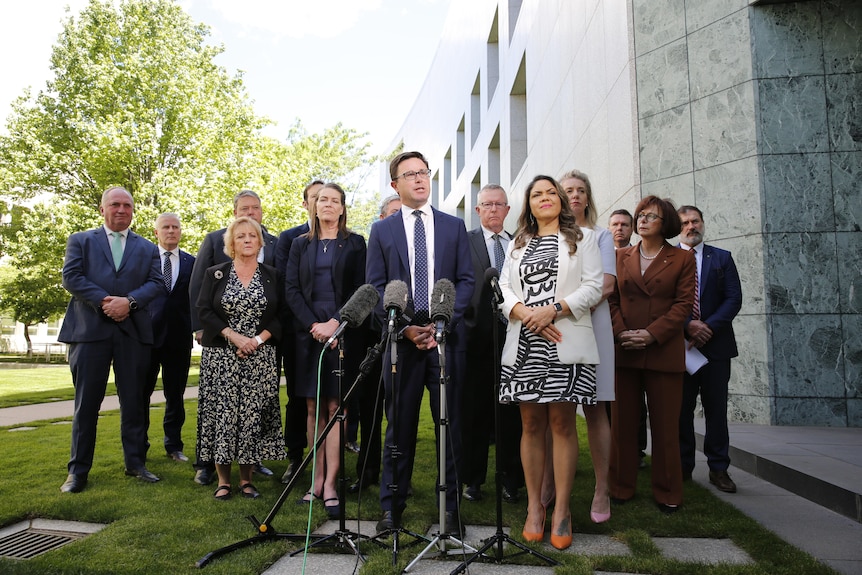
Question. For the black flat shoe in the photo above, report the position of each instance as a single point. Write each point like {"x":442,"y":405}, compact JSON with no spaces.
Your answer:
{"x":224,"y":496}
{"x":332,"y":510}
{"x":249,"y":491}
{"x":303,"y":501}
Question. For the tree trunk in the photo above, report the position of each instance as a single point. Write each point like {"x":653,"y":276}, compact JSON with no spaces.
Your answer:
{"x":27,"y":339}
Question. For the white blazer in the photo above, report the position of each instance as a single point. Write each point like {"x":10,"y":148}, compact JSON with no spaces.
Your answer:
{"x":579,"y":283}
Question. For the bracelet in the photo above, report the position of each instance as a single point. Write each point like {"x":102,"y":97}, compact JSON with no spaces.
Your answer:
{"x":258,"y":339}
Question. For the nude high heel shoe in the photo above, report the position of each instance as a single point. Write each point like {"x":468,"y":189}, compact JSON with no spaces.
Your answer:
{"x":601,"y":517}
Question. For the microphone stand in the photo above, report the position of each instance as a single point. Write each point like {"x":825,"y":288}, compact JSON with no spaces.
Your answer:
{"x":443,"y":537}
{"x":265,"y":531}
{"x":500,"y":536}
{"x":395,"y":454}
{"x":342,"y":538}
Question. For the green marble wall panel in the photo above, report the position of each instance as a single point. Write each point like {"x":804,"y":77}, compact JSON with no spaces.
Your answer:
{"x":700,"y":13}
{"x":842,"y":40}
{"x":844,"y":105}
{"x":797,"y":190}
{"x":808,"y":356}
{"x":662,"y":79}
{"x":787,"y":40}
{"x":793,"y":115}
{"x":849,"y":260}
{"x":720,"y":55}
{"x":846,"y":178}
{"x":723,"y":126}
{"x":665,"y":144}
{"x":801,"y":274}
{"x":657,"y":22}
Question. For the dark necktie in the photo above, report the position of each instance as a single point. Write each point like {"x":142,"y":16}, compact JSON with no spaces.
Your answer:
{"x":420,"y":279}
{"x":168,"y":271}
{"x":695,"y":309}
{"x":117,"y":249}
{"x":499,"y":254}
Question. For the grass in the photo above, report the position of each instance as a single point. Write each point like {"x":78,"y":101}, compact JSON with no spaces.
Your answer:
{"x":164,"y":528}
{"x":29,"y":383}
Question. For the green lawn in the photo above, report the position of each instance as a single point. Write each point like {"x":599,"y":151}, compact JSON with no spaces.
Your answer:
{"x":166,"y":527}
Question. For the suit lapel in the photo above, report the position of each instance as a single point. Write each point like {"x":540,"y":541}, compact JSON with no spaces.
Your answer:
{"x":104,"y":242}
{"x":658,"y":265}
{"x":477,"y":241}
{"x":632,"y":265}
{"x":396,"y":226}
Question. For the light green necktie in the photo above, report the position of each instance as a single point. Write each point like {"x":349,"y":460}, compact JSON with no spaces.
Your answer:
{"x":117,"y":249}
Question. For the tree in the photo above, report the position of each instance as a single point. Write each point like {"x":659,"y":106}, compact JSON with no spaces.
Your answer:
{"x":30,"y":281}
{"x":137,"y":101}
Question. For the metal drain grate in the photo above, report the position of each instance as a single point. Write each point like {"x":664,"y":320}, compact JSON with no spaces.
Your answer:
{"x":32,"y":542}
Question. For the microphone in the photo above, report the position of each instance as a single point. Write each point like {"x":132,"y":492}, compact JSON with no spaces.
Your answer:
{"x":395,"y":301}
{"x":442,"y":306}
{"x":492,"y":276}
{"x":357,"y":308}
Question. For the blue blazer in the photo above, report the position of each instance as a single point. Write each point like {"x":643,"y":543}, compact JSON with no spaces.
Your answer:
{"x":171,"y":312}
{"x":89,"y":275}
{"x":348,"y":273}
{"x":388,"y":260}
{"x":720,"y":301}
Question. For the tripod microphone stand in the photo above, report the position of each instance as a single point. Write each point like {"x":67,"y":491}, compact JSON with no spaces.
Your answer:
{"x":500,"y":537}
{"x":265,"y":531}
{"x":442,"y":539}
{"x":343,"y":538}
{"x":395,"y":454}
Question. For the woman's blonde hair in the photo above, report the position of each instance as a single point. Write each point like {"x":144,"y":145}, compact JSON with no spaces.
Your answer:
{"x":229,"y":232}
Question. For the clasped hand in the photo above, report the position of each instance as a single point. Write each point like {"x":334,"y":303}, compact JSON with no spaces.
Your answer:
{"x":635,"y":339}
{"x":116,"y":307}
{"x":421,"y":336}
{"x":245,"y":346}
{"x":698,"y":333}
{"x":539,"y":320}
{"x":322,"y":331}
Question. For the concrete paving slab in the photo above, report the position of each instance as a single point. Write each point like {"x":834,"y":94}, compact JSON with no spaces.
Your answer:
{"x":701,"y":550}
{"x":592,"y":544}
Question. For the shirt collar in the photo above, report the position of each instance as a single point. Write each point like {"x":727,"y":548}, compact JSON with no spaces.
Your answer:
{"x":110,"y":232}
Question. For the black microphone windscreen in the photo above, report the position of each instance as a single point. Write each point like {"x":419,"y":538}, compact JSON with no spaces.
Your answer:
{"x":443,"y":300}
{"x":360,"y":305}
{"x":395,"y":295}
{"x":491,"y":273}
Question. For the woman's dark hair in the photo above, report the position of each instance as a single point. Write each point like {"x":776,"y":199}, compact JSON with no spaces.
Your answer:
{"x":671,"y":225}
{"x":529,"y":228}
{"x":314,"y":228}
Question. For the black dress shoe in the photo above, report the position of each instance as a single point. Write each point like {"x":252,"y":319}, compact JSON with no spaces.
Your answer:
{"x":510,"y":495}
{"x":143,"y":474}
{"x":473,"y":493}
{"x":178,"y":456}
{"x":203,"y":477}
{"x":722,"y":481}
{"x":291,"y":470}
{"x":667,"y":509}
{"x":265,"y":471}
{"x":388,"y":522}
{"x":454,"y":525}
{"x":74,"y":483}
{"x":363,"y":485}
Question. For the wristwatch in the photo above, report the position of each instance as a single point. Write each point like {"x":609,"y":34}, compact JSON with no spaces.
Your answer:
{"x":133,"y":303}
{"x":558,"y":307}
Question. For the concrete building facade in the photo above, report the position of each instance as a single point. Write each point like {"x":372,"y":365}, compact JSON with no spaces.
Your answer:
{"x":749,"y":110}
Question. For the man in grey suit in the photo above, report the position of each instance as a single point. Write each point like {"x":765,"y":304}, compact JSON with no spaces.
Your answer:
{"x":112,"y":274}
{"x":488,"y":245}
{"x":211,"y":252}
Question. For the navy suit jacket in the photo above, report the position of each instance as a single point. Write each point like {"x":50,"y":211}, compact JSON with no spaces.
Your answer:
{"x":720,"y":301}
{"x":211,"y":253}
{"x":282,"y":247}
{"x":89,"y":275}
{"x":348,"y":273}
{"x":388,"y":260}
{"x":171,"y":312}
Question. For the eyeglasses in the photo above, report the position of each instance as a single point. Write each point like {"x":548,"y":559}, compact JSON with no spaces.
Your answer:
{"x":648,"y":217}
{"x":410,"y":176}
{"x":492,"y":205}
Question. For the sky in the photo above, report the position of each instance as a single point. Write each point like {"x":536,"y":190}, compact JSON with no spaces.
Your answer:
{"x":358,"y":62}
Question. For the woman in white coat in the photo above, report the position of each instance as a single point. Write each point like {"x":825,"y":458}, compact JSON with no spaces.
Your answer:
{"x":551,"y":279}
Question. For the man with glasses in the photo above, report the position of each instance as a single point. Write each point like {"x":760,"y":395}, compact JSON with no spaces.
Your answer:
{"x":419,"y":245}
{"x":488,"y":244}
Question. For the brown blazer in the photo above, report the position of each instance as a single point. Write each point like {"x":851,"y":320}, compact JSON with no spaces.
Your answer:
{"x":659,"y":301}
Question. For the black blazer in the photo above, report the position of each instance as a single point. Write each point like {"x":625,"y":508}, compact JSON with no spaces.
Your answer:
{"x":478,"y":317}
{"x":211,"y":253}
{"x":213,"y":317}
{"x":348,"y":273}
{"x":171,"y":312}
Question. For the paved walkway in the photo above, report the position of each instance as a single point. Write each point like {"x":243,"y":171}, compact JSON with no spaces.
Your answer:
{"x":802,"y":483}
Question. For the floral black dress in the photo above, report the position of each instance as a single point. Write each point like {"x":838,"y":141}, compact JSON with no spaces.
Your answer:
{"x":538,"y":375}
{"x":239,"y":418}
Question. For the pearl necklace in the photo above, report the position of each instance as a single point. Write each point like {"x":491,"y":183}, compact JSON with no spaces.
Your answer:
{"x":649,"y":258}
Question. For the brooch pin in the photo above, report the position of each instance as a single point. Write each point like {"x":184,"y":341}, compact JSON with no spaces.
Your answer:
{"x":218,"y":274}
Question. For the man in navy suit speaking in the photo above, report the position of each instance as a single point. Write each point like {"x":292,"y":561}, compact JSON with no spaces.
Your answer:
{"x":419,"y":245}
{"x":709,"y":329}
{"x":112,"y":274}
{"x":172,"y":331}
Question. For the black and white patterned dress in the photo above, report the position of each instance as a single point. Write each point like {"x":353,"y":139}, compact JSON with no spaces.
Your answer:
{"x":239,"y":418}
{"x":538,"y":376}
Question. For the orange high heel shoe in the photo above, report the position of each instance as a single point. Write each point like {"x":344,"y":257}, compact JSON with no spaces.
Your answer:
{"x":562,"y":541}
{"x":536,"y":537}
